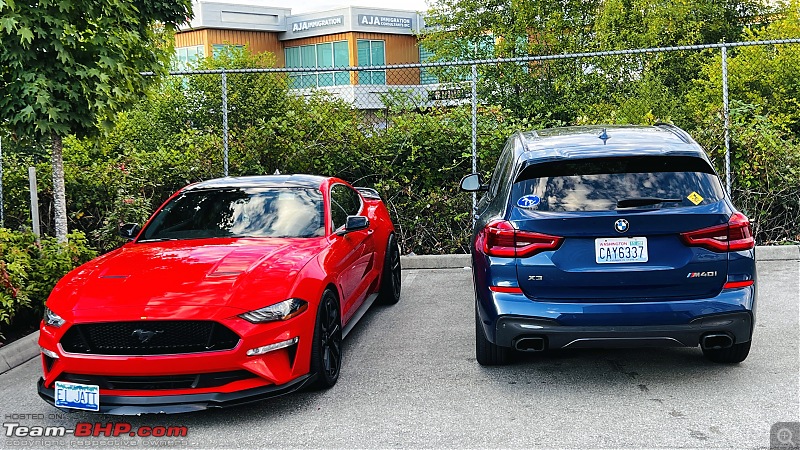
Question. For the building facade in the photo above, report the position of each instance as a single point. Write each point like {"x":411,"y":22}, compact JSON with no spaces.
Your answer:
{"x":333,"y":39}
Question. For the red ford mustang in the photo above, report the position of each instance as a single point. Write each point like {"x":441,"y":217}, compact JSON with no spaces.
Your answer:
{"x":236,"y":289}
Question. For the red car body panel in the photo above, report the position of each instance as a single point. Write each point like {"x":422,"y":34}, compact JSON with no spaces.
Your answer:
{"x":217,"y":279}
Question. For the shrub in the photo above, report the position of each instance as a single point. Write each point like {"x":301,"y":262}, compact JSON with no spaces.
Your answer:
{"x":29,"y":270}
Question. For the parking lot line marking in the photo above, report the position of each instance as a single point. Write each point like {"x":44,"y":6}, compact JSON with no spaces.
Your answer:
{"x":410,"y":278}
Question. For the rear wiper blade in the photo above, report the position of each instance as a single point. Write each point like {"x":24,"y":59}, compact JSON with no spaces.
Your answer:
{"x":644,"y":201}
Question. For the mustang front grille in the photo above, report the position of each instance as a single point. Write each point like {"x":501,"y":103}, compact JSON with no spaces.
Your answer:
{"x":149,"y":337}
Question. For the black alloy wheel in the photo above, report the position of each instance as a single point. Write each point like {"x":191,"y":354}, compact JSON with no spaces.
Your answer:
{"x":326,"y":351}
{"x":392,"y":274}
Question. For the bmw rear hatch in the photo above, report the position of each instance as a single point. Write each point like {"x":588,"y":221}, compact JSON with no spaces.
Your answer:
{"x":630,"y":229}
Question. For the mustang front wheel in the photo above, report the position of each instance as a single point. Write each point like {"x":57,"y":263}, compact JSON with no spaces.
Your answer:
{"x":326,"y":351}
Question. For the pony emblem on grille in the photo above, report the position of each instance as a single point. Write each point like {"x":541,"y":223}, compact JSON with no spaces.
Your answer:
{"x":144,"y":336}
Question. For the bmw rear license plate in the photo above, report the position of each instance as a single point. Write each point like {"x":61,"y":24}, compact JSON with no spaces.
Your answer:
{"x":77,"y":396}
{"x":620,"y":250}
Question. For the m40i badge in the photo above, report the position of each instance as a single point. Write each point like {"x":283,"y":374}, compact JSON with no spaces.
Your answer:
{"x":701,"y":274}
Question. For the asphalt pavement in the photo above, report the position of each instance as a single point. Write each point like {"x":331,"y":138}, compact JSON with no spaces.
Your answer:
{"x":410,"y":380}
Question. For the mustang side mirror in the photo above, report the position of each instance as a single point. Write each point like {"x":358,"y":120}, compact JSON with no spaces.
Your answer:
{"x":473,"y":183}
{"x":354,"y":223}
{"x":130,"y":230}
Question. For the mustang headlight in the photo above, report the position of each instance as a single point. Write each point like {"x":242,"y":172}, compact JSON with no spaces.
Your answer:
{"x":52,"y":319}
{"x":279,"y":311}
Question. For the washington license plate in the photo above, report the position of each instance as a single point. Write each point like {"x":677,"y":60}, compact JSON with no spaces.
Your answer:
{"x":620,"y":250}
{"x":77,"y":396}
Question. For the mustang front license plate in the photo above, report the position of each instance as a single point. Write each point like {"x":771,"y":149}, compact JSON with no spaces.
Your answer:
{"x":77,"y":396}
{"x":620,"y":250}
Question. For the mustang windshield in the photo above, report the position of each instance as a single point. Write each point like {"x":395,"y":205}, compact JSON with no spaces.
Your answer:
{"x":239,"y":212}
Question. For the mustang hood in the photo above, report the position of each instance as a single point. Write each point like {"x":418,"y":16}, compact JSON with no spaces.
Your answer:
{"x":238,"y":273}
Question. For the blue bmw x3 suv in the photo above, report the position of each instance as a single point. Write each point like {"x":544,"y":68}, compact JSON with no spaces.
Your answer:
{"x":609,"y":237}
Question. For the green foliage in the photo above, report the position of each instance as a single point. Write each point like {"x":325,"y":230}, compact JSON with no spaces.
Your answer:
{"x":557,"y":92}
{"x":66,"y":65}
{"x":624,"y":24}
{"x":29,"y":271}
{"x":767,"y":174}
{"x":423,"y":157}
{"x":472,"y":29}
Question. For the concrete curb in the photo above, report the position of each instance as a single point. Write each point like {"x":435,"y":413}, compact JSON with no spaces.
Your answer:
{"x":19,"y":352}
{"x":23,"y":350}
{"x":778,"y":253}
{"x":435,"y":261}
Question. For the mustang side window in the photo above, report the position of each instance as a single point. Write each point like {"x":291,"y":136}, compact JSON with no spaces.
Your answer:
{"x":344,"y":202}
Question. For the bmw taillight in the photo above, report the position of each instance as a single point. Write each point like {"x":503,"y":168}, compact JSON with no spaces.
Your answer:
{"x":500,"y":238}
{"x":735,"y":236}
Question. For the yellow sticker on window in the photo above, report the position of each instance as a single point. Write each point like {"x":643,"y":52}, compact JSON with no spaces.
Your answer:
{"x":695,"y":198}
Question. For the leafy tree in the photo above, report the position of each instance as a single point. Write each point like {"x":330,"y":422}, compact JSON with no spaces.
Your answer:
{"x":475,"y":29}
{"x":623,"y":24}
{"x":66,"y":66}
{"x":570,"y":90}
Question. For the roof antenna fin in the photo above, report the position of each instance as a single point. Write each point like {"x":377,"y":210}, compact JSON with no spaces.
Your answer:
{"x":604,"y":136}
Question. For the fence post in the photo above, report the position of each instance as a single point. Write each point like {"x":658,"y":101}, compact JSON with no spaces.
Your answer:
{"x":474,"y":134}
{"x":225,"y":122}
{"x":34,"y":202}
{"x":726,"y":112}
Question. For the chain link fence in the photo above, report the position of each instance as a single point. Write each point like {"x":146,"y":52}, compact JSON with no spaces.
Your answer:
{"x":413,"y":130}
{"x":723,"y":94}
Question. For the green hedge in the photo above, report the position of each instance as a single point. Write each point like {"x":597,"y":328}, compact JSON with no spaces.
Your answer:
{"x":29,"y":270}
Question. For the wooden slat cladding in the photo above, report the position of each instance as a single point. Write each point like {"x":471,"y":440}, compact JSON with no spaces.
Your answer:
{"x":257,"y":41}
{"x":191,"y":38}
{"x":317,"y":39}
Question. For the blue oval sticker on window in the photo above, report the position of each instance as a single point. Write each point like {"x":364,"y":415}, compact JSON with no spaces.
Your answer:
{"x":528,"y":201}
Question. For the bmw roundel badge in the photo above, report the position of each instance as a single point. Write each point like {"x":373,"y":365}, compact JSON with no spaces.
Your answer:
{"x":621,"y":225}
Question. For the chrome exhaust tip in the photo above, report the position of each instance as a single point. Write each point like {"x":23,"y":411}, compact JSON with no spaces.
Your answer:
{"x":530,"y":344}
{"x":716,"y":341}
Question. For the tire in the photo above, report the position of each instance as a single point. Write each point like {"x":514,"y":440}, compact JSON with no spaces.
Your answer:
{"x":389,"y":293}
{"x":326,"y":350}
{"x":731,"y":355}
{"x":486,"y":353}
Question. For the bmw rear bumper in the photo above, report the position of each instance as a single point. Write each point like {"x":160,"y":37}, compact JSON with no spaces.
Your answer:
{"x":172,"y":404}
{"x":510,"y":329}
{"x":508,"y":317}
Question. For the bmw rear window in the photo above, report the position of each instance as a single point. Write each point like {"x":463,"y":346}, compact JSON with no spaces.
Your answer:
{"x":605,"y":184}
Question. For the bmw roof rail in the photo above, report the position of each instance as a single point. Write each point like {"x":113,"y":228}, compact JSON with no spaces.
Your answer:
{"x":524,"y":141}
{"x":677,"y":131}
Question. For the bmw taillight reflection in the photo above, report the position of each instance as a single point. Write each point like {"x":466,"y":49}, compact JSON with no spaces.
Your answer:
{"x":734,"y":236}
{"x":500,"y":238}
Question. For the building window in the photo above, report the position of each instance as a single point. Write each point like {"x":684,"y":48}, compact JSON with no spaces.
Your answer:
{"x":425,"y":75}
{"x":224,"y":49}
{"x":185,"y":57}
{"x":330,"y":55}
{"x":371,"y":53}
